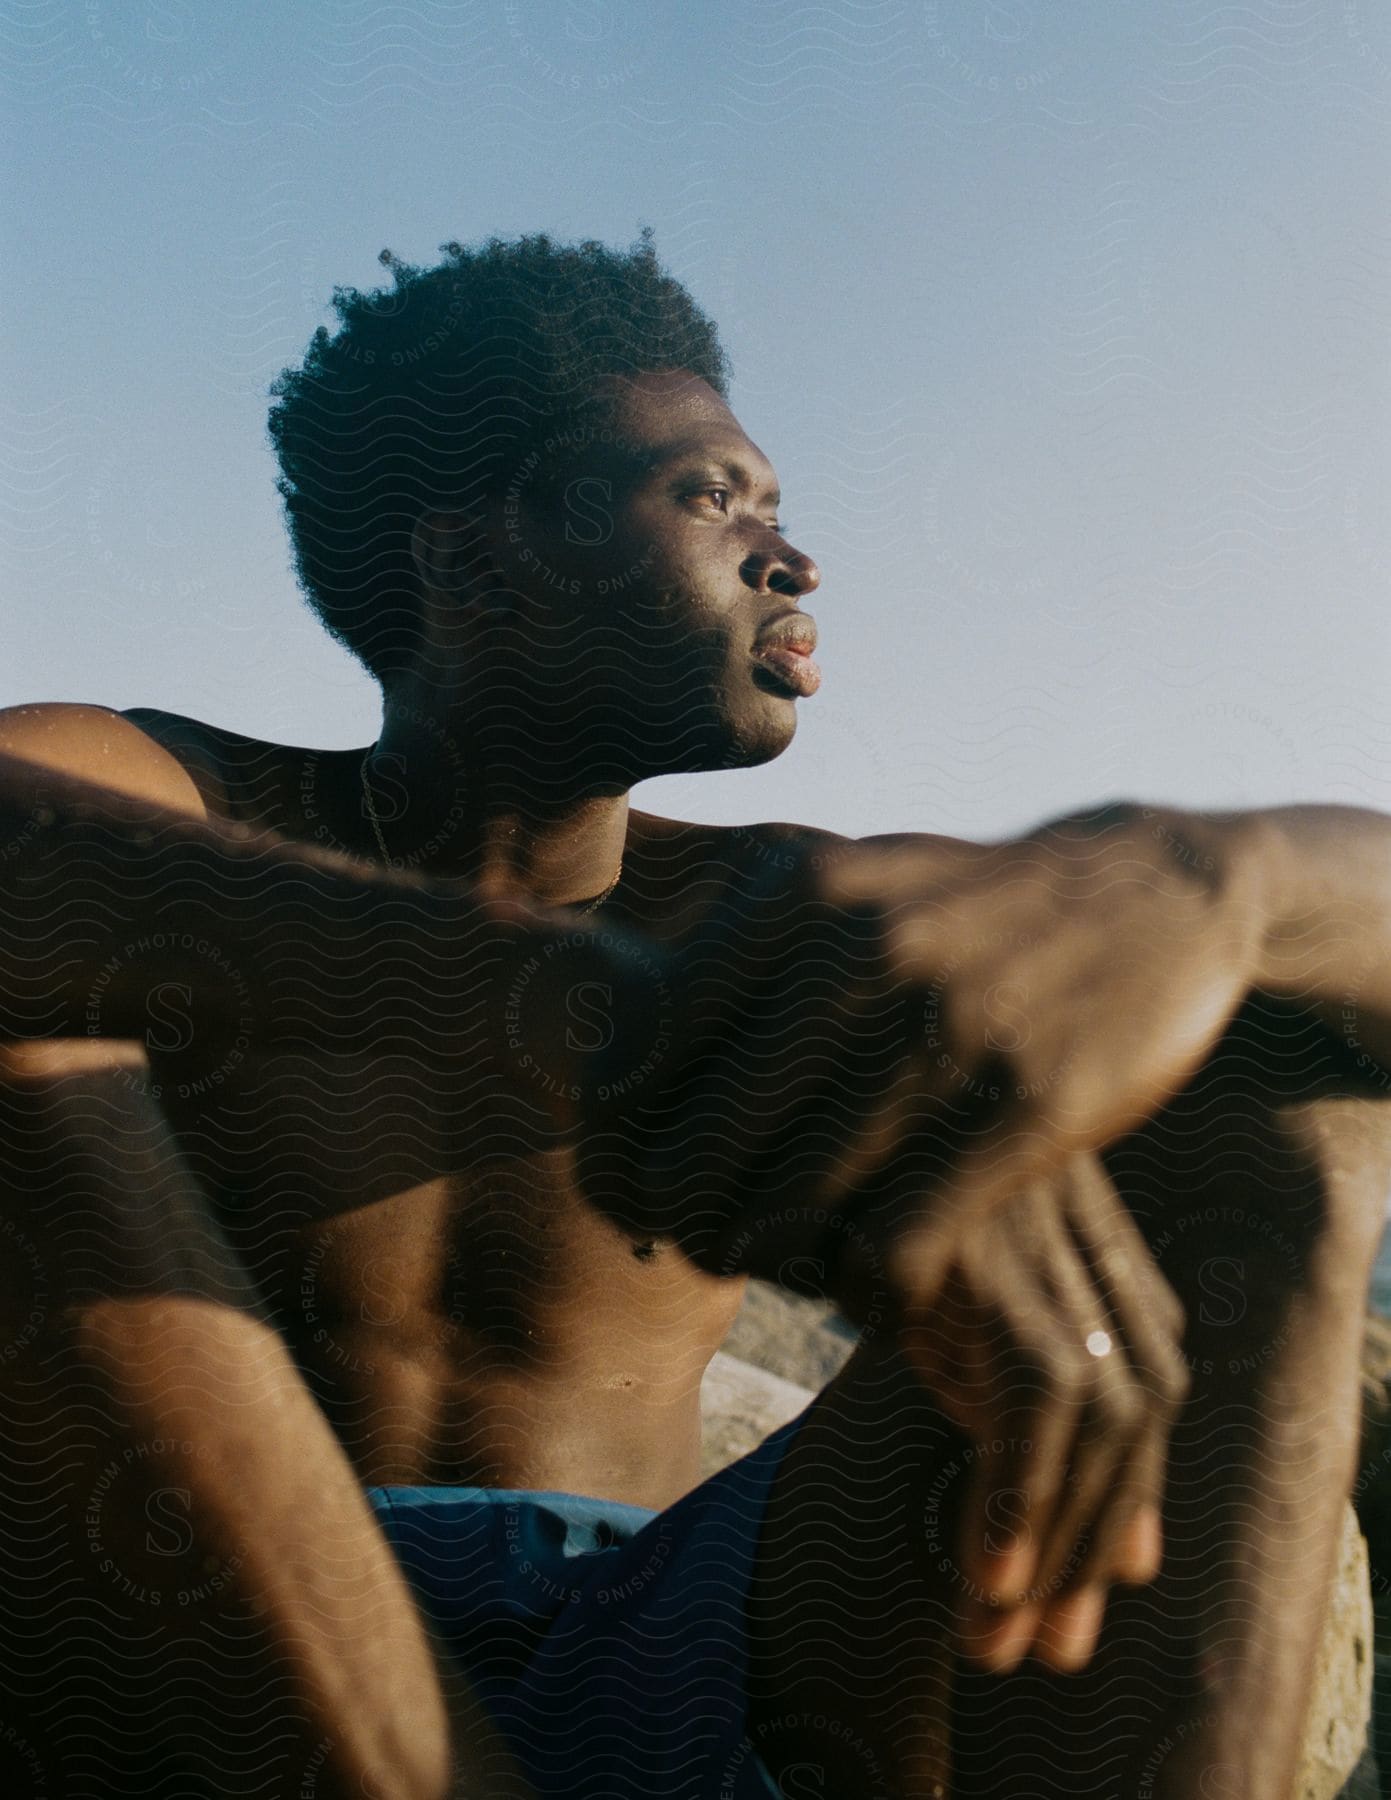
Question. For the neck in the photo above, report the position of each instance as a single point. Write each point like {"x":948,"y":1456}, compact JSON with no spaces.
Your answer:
{"x":517,"y":818}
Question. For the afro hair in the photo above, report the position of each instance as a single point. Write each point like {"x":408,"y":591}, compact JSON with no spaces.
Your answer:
{"x":429,"y":392}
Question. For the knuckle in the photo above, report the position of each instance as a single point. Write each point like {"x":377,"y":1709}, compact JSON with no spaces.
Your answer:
{"x":1170,"y":1310}
{"x":1173,"y":1382}
{"x":1120,"y":1407}
{"x":915,"y":1273}
{"x":1078,"y":1094}
{"x":1056,"y":1369}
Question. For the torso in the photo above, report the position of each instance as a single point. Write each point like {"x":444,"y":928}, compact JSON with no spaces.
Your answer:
{"x":488,"y":1328}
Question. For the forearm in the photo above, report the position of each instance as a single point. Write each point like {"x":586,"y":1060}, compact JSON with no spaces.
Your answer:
{"x":1329,"y":938}
{"x":168,"y":1469}
{"x":1258,"y":1481}
{"x":103,"y":897}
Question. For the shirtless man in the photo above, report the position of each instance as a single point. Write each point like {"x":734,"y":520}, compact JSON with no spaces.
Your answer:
{"x":410,"y":1119}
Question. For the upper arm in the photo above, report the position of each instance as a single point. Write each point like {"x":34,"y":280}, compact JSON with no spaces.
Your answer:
{"x":95,"y":744}
{"x":914,"y":840}
{"x":783,"y":844}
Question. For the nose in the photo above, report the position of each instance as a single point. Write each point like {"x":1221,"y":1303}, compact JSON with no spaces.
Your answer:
{"x":781,"y":570}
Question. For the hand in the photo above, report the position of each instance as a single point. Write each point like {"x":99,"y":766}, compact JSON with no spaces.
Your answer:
{"x":1054,"y":1345}
{"x":1072,"y":980}
{"x":875,"y":1047}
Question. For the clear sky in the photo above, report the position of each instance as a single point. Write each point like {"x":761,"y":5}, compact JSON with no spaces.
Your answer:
{"x":1064,"y":322}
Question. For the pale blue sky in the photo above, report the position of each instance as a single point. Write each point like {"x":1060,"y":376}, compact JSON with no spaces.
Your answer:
{"x":1064,"y":322}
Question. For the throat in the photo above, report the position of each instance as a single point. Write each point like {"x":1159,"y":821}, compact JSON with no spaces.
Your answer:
{"x":564,"y":856}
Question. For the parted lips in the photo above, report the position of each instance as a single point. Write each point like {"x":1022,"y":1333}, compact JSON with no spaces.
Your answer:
{"x":784,"y":648}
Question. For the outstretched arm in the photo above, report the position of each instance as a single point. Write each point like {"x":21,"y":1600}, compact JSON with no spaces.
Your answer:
{"x":1265,"y":1169}
{"x":1322,"y":875}
{"x":1328,"y":941}
{"x":112,"y":876}
{"x":126,"y":913}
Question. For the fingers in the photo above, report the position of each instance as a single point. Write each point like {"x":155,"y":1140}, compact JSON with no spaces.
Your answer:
{"x":998,"y":1640}
{"x":986,"y":1348}
{"x":1061,"y":1359}
{"x":1062,"y":1636}
{"x":1117,"y":1423}
{"x":1150,"y":1321}
{"x":1140,"y":1548}
{"x":1054,"y":1419}
{"x":1014,"y":1499}
{"x":1066,"y":1636}
{"x":948,"y":1183}
{"x":1077,"y":959}
{"x":1122,"y":1268}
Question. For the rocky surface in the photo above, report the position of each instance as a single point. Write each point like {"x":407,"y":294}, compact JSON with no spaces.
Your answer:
{"x":1341,"y":1708}
{"x":782,"y":1349}
{"x":1372,"y":1487}
{"x":800,"y":1340}
{"x":740,"y":1405}
{"x":1371,"y":1493}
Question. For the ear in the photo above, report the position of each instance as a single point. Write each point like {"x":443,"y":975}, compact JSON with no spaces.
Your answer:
{"x":452,"y":554}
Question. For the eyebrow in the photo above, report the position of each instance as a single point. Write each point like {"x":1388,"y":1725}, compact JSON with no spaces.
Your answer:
{"x":696,"y":448}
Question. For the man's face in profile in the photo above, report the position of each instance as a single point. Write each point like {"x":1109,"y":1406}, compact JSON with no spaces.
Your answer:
{"x":660,"y":599}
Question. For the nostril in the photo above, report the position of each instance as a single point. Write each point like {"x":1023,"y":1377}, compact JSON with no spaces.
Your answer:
{"x":802,"y":574}
{"x":790,"y":575}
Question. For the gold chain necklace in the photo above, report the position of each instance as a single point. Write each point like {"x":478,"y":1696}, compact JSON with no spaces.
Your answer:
{"x":589,"y":906}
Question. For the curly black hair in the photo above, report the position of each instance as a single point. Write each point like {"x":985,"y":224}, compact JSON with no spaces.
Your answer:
{"x":430,"y":391}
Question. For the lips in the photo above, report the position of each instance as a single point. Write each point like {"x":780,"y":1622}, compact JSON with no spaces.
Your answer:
{"x":784,"y":648}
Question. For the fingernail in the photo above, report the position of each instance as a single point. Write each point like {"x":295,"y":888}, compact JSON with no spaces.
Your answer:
{"x":1070,"y":1635}
{"x":1003,"y":1645}
{"x":994,"y":1637}
{"x":1150,"y":1545}
{"x":1143,"y":1555}
{"x":1010,"y":1573}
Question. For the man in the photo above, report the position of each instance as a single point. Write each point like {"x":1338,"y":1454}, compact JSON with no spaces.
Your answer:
{"x":389,"y":1134}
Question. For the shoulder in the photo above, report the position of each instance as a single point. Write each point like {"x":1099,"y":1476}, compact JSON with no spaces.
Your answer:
{"x":781,"y":842}
{"x":771,"y":843}
{"x":102,"y":746}
{"x":767,"y":843}
{"x":199,"y":750}
{"x":249,"y":780}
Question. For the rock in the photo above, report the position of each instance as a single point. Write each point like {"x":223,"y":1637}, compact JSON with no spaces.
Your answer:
{"x":1381,"y":1679}
{"x":1365,"y":1782}
{"x":801,"y":1340}
{"x":739,"y":1407}
{"x":1341,"y":1706}
{"x":1371,"y":1490}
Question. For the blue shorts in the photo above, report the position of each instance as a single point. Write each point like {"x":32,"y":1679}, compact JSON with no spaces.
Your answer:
{"x":608,"y":1642}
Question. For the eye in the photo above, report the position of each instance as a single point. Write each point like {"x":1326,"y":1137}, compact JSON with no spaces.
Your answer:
{"x":721,"y":495}
{"x":718,"y":497}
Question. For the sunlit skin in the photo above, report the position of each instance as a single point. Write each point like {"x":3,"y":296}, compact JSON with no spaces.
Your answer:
{"x":666,"y":675}
{"x":457,"y":1315}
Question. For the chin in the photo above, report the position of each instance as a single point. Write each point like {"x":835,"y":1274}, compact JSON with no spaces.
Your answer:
{"x":735,"y":744}
{"x":733,"y":725}
{"x":757,"y":734}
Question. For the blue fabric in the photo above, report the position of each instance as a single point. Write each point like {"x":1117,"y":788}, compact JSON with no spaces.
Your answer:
{"x":608,"y":1641}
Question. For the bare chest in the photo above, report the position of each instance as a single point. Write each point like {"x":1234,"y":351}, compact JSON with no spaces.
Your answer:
{"x":480,"y":1325}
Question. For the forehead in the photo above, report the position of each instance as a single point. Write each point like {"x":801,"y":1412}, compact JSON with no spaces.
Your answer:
{"x":671,"y":409}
